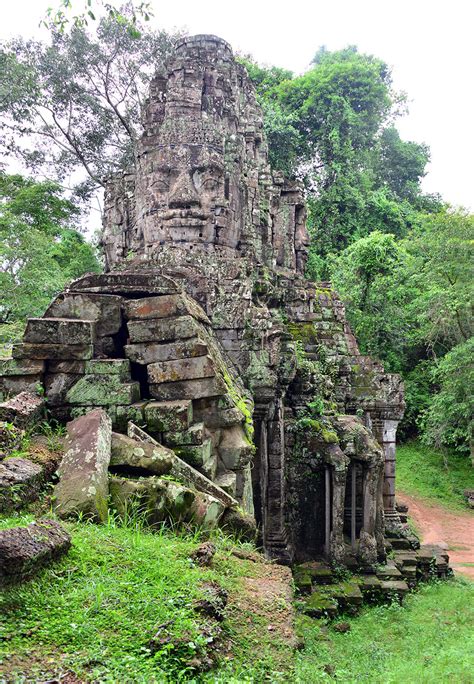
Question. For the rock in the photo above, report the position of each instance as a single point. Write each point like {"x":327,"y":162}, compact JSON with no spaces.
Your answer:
{"x":239,"y":524}
{"x":21,"y":367}
{"x":103,"y":309}
{"x":20,"y":483}
{"x":206,"y":511}
{"x":342,"y":627}
{"x":155,"y":499}
{"x":11,"y":385}
{"x":204,"y":554}
{"x":169,"y":416}
{"x":235,"y":449}
{"x":24,"y":410}
{"x":59,"y":331}
{"x":213,"y":603}
{"x":125,"y":451}
{"x":103,"y":390}
{"x":188,"y":389}
{"x":25,"y":550}
{"x":149,"y":352}
{"x":10,"y":438}
{"x":118,"y":367}
{"x":469,"y":496}
{"x":59,"y":352}
{"x":162,"y":330}
{"x":83,"y":472}
{"x":181,"y":369}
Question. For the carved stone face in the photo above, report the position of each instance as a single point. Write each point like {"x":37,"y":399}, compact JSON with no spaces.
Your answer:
{"x":187,"y":196}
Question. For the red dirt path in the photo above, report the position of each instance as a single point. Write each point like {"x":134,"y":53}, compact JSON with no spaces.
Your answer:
{"x":436,"y":525}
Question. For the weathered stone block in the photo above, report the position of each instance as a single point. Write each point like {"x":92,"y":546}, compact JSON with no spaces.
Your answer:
{"x":58,"y":331}
{"x":11,"y":385}
{"x":181,"y":369}
{"x":169,"y":416}
{"x":155,"y":307}
{"x":73,"y":367}
{"x":159,"y":499}
{"x":126,"y":283}
{"x":192,"y":437}
{"x":140,"y":455}
{"x":103,"y":390}
{"x":25,"y":550}
{"x":162,"y":329}
{"x":21,"y":367}
{"x":134,"y":412}
{"x":198,"y":456}
{"x":57,"y":385}
{"x":83,"y":472}
{"x":208,"y":411}
{"x":20,"y":482}
{"x":103,"y":309}
{"x":227,"y":482}
{"x":188,"y":389}
{"x":146,"y":353}
{"x":25,"y":350}
{"x":118,"y":367}
{"x":24,"y":410}
{"x":235,"y":450}
{"x":206,"y":511}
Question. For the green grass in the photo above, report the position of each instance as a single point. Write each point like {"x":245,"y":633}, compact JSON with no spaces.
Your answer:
{"x":95,"y":611}
{"x":422,"y":471}
{"x":429,"y":639}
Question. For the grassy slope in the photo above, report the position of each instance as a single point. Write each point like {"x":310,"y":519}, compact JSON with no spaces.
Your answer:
{"x":421,"y":471}
{"x":429,"y":639}
{"x":94,"y":612}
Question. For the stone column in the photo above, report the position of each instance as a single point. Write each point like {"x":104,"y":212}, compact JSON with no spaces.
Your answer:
{"x":274,"y":535}
{"x":385,"y":431}
{"x":327,"y":510}
{"x":353,"y":506}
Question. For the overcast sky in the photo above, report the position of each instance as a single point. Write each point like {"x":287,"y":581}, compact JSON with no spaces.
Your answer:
{"x":428,"y":44}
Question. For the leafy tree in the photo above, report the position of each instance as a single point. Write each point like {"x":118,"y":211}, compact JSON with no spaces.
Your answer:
{"x":40,"y":249}
{"x":449,"y":418}
{"x":75,"y":103}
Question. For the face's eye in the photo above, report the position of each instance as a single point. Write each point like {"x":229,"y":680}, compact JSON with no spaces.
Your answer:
{"x":161,"y":184}
{"x":211,"y":185}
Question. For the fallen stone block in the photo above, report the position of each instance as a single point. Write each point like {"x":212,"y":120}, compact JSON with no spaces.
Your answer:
{"x":57,"y":385}
{"x":181,"y":369}
{"x":240,"y":524}
{"x":144,"y":353}
{"x":83,"y":472}
{"x":169,"y":416}
{"x":24,"y":410}
{"x":186,"y":473}
{"x":227,"y":482}
{"x":58,"y":331}
{"x":155,"y":499}
{"x":26,"y":550}
{"x":20,"y":483}
{"x":188,"y":389}
{"x":196,"y":456}
{"x":103,"y":390}
{"x":206,"y":511}
{"x":21,"y":367}
{"x":132,"y":456}
{"x":118,"y":367}
{"x":162,"y":329}
{"x":10,"y":438}
{"x":123,"y":414}
{"x":56,"y":352}
{"x":103,"y":309}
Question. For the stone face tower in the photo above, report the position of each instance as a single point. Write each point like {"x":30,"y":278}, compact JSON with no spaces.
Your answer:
{"x":206,"y":305}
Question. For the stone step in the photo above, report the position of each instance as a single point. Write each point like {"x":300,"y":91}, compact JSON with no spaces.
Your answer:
{"x":389,"y":572}
{"x":406,"y":559}
{"x":317,"y":605}
{"x":399,"y":587}
{"x":399,"y":544}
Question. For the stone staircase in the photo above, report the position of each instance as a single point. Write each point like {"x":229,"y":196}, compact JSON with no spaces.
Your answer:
{"x":322,"y":594}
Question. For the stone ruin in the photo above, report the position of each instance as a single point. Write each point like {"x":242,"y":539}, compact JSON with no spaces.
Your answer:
{"x":204,"y":336}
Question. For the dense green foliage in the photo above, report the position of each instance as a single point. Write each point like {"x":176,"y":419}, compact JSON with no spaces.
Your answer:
{"x":40,"y":249}
{"x":433,"y":474}
{"x":400,"y":259}
{"x":427,"y":639}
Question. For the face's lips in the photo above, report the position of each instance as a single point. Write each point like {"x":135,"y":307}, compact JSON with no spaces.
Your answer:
{"x":186,"y":214}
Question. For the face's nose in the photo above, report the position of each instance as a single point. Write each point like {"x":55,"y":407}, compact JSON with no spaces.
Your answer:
{"x":183,"y":193}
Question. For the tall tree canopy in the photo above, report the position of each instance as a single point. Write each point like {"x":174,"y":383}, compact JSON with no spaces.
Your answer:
{"x":41,"y":249}
{"x":74,"y":104}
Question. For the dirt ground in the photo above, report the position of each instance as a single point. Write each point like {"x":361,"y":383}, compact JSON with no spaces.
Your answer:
{"x":436,"y":525}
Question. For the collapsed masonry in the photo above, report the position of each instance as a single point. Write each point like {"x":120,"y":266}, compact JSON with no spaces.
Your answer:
{"x":205,"y":333}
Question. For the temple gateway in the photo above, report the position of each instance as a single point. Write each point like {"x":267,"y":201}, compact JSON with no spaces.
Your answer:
{"x":204,"y":335}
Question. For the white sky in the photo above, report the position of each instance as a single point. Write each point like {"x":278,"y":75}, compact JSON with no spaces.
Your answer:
{"x":428,"y":44}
